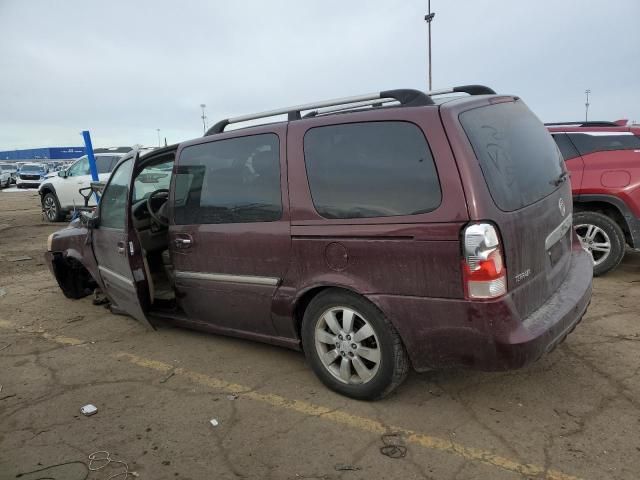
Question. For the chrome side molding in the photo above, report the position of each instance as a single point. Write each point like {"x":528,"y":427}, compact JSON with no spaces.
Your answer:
{"x":558,"y":232}
{"x":223,"y":277}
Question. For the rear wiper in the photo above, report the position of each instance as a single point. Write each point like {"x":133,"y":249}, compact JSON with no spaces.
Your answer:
{"x":561,"y":179}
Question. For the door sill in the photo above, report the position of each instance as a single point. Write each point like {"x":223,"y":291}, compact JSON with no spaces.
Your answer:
{"x":180,"y":319}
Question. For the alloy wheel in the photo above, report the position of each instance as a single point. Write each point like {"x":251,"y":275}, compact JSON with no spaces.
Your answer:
{"x":347,"y":345}
{"x":50,"y":208}
{"x":595,"y":241}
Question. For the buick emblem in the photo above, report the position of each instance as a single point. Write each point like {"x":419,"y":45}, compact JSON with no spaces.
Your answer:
{"x":561,"y":206}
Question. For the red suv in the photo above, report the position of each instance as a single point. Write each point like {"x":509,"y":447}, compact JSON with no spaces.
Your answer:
{"x":373,"y":232}
{"x":604,"y":161}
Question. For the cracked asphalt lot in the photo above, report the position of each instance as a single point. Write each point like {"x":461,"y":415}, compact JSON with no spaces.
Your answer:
{"x":573,"y":415}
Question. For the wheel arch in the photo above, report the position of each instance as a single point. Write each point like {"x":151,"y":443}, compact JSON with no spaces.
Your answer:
{"x":73,"y":276}
{"x":306,"y":295}
{"x":46,"y":188}
{"x":614,"y":208}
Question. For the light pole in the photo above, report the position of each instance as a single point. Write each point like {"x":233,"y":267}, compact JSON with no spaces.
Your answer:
{"x":429,"y":18}
{"x":204,"y":118}
{"x":158,"y":130}
{"x":586,"y":106}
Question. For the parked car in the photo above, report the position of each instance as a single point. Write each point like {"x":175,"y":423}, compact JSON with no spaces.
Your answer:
{"x":59,"y":194}
{"x":11,"y":168}
{"x":604,"y":161}
{"x":30,"y":175}
{"x":370,"y":237}
{"x":5,"y":178}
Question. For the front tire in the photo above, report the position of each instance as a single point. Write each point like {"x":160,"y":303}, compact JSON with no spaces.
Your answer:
{"x":51,"y":208}
{"x":602,"y":237}
{"x":352,"y":347}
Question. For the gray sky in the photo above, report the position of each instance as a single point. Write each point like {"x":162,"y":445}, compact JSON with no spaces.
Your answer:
{"x":124,"y":68}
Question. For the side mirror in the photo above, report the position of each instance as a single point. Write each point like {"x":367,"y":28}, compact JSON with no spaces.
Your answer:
{"x":62,"y":173}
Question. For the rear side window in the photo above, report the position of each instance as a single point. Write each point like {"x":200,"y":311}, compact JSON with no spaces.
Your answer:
{"x":372,"y":169}
{"x":229,"y":181}
{"x":604,"y":141}
{"x":519,"y":159}
{"x":567,"y":148}
{"x":106,"y":163}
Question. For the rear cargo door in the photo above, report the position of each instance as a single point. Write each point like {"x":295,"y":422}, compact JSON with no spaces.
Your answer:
{"x":529,"y":197}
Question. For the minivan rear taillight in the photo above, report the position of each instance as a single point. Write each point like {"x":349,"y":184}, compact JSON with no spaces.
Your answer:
{"x":483,"y":271}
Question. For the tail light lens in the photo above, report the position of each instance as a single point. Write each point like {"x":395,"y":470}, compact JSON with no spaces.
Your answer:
{"x":483,"y":271}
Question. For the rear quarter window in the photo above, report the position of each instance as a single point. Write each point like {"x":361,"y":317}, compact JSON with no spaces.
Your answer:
{"x":519,"y":159}
{"x":370,"y":169}
{"x":567,"y":149}
{"x":592,"y":142}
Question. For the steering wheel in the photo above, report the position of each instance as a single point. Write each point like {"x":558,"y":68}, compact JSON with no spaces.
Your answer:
{"x":159,"y":215}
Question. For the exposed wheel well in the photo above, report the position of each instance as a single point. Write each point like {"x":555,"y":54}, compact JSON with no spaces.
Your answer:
{"x":610,"y":211}
{"x":46,"y":190}
{"x":74,"y":279}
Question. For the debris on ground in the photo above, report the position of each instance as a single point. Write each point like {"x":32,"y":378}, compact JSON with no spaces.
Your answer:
{"x":21,"y":258}
{"x":89,"y":410}
{"x":342,"y":467}
{"x":167,"y":377}
{"x":99,"y":298}
{"x":393,"y":446}
{"x":6,"y":346}
{"x":214,"y":422}
{"x":3,"y":292}
{"x":232,"y":396}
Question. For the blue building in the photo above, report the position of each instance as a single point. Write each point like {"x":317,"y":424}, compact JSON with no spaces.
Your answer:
{"x":43,"y":154}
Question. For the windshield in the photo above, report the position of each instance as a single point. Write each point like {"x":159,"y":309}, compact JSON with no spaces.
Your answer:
{"x":7,"y":166}
{"x":32,"y":168}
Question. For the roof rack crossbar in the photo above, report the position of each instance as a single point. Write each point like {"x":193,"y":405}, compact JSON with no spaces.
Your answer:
{"x":406,"y":97}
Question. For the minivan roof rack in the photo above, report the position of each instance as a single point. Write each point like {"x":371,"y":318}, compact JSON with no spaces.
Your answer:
{"x":406,"y":98}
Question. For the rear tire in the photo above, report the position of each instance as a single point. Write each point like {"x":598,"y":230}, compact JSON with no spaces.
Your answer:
{"x":51,"y":208}
{"x":352,"y":347}
{"x":602,"y":237}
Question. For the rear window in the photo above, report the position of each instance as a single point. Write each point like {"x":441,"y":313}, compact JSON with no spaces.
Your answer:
{"x":519,"y":159}
{"x":372,"y":169}
{"x":592,"y":142}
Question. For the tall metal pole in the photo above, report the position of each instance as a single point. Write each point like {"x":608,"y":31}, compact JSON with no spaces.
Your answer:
{"x":586,"y":106}
{"x":158,"y":130}
{"x":204,"y":119}
{"x":429,"y":18}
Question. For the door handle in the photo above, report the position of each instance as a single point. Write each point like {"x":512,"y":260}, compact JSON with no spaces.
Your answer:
{"x":184,"y":241}
{"x":121,"y":248}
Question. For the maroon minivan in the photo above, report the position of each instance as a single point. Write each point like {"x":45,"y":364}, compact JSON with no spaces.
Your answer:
{"x":372,"y":232}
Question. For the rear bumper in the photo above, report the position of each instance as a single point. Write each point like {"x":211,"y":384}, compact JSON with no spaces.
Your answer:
{"x":440,"y":333}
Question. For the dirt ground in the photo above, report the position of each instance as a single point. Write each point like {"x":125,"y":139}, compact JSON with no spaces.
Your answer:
{"x":573,"y":415}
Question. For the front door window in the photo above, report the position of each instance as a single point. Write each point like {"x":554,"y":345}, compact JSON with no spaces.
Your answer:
{"x":113,"y":203}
